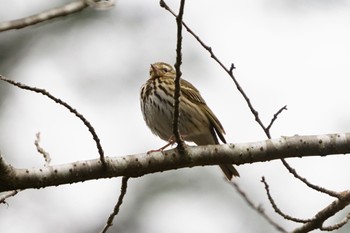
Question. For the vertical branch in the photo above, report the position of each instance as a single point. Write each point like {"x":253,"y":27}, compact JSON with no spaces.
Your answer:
{"x":177,"y":93}
{"x":117,"y":206}
{"x":42,"y":151}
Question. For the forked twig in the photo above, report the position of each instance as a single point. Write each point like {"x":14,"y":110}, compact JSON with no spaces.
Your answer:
{"x":64,"y":104}
{"x":228,"y":71}
{"x":274,"y":118}
{"x":318,"y":220}
{"x":258,"y":120}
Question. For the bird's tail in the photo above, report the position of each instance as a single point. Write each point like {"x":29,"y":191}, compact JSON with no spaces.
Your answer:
{"x":229,"y":171}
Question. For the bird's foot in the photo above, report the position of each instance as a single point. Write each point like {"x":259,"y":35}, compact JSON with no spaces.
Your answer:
{"x":171,"y":141}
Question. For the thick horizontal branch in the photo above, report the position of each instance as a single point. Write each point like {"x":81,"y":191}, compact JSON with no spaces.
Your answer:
{"x":141,"y":164}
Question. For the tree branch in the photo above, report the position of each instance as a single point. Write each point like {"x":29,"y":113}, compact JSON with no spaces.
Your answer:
{"x":61,"y":11}
{"x":117,"y":206}
{"x":307,"y":183}
{"x":177,"y":92}
{"x":66,"y":105}
{"x":324,"y":214}
{"x":337,"y":225}
{"x":41,"y":150}
{"x":274,"y":118}
{"x":141,"y":164}
{"x":257,"y":208}
{"x":275,"y":207}
{"x":67,"y":9}
{"x":6,"y":195}
{"x":228,"y":71}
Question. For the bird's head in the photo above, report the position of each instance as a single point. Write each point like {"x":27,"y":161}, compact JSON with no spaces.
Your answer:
{"x":161,"y":69}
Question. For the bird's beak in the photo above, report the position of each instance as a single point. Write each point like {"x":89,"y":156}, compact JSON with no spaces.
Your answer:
{"x":153,"y":70}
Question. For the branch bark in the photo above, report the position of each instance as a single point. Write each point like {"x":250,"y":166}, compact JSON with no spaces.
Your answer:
{"x":44,"y":16}
{"x":140,"y":164}
{"x":329,"y":211}
{"x":56,"y":12}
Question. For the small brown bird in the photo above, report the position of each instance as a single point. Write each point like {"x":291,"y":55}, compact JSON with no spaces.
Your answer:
{"x":197,"y":123}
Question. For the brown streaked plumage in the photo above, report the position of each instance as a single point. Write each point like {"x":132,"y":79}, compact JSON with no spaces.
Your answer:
{"x":197,"y":123}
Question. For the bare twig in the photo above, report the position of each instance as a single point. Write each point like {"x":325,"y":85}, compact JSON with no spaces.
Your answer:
{"x":228,"y":71}
{"x":41,"y":150}
{"x":325,"y":213}
{"x":252,"y":109}
{"x":56,"y":12}
{"x":275,"y":117}
{"x":277,"y":210}
{"x":117,"y":206}
{"x":7,"y":195}
{"x":338,"y":225}
{"x":100,"y":4}
{"x":258,"y":208}
{"x":67,"y":9}
{"x":317,"y":221}
{"x":70,"y":108}
{"x":306,"y":182}
{"x":177,"y":91}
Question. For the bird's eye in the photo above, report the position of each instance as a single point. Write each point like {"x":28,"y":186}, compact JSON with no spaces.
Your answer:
{"x":165,"y":69}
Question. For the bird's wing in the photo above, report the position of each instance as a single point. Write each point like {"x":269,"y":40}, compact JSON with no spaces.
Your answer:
{"x":193,"y":95}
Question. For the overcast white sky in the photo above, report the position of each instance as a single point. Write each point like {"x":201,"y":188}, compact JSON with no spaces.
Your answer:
{"x":287,"y":52}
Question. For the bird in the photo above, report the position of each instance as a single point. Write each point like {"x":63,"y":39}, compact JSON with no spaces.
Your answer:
{"x":197,"y":122}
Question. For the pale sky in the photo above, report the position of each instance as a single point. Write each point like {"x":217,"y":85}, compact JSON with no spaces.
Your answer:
{"x":294,"y":53}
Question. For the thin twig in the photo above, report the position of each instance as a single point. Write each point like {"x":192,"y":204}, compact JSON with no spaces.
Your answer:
{"x":275,"y":117}
{"x":8,"y":194}
{"x":277,"y":210}
{"x":117,"y":206}
{"x":310,"y":185}
{"x":338,"y":225}
{"x":177,"y":92}
{"x":252,"y":109}
{"x":101,"y":4}
{"x":41,"y":150}
{"x":56,"y":12}
{"x":67,"y":9}
{"x":228,"y":71}
{"x":64,"y":104}
{"x":325,"y":213}
{"x":258,"y":208}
